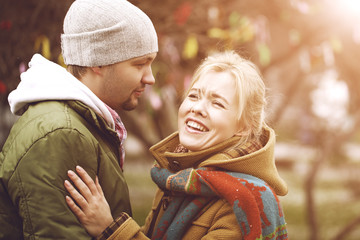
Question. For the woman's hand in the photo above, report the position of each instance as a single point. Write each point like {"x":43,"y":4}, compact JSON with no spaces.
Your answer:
{"x":92,"y":210}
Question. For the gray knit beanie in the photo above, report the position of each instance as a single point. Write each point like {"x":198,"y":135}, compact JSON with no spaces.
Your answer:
{"x":103,"y":32}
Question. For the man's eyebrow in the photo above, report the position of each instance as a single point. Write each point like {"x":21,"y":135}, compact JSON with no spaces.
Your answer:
{"x":144,"y":58}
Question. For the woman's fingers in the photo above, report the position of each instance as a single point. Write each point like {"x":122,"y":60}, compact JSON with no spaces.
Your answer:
{"x":79,"y":184}
{"x":92,"y":209}
{"x":87,"y":179}
{"x":76,"y":210}
{"x":98,"y":186}
{"x":79,"y":199}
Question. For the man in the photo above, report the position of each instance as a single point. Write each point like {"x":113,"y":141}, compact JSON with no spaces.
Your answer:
{"x":69,"y":118}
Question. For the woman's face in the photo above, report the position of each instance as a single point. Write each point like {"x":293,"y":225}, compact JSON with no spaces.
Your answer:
{"x":208,"y":114}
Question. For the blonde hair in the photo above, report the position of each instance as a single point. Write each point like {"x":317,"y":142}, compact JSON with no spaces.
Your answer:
{"x":250,"y":89}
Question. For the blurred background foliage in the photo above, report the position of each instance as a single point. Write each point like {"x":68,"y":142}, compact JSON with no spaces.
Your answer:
{"x":308,"y":52}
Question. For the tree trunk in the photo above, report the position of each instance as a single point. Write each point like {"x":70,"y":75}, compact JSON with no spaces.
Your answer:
{"x":310,"y":188}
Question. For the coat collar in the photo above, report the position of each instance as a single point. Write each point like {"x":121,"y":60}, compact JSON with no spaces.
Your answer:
{"x":260,"y":163}
{"x":96,"y":120}
{"x":167,"y":158}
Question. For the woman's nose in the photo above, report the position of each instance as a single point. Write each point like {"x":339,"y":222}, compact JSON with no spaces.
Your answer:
{"x":199,"y":108}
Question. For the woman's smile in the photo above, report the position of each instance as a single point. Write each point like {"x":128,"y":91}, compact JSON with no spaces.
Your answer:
{"x":193,"y":125}
{"x":208,"y":114}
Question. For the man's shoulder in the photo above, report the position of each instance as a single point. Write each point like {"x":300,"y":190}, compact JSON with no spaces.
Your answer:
{"x":44,"y":118}
{"x":48,"y":116}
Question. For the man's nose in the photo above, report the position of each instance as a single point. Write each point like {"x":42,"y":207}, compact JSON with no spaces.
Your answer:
{"x":148,"y":77}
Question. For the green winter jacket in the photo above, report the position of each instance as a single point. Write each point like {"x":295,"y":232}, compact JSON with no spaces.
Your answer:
{"x":50,"y":138}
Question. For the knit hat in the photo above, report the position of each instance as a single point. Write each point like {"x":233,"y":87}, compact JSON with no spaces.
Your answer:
{"x":103,"y":32}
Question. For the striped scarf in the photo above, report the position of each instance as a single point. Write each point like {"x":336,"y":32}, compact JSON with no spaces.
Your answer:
{"x":256,"y":206}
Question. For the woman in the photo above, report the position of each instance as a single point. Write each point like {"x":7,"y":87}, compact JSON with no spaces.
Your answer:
{"x":216,"y":176}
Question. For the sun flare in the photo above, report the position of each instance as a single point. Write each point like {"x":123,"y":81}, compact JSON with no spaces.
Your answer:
{"x":349,"y":6}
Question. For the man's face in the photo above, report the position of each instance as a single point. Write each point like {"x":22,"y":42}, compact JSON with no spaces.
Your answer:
{"x":124,"y":82}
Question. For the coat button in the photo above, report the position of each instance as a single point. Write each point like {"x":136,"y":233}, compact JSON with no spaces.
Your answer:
{"x":175,"y":165}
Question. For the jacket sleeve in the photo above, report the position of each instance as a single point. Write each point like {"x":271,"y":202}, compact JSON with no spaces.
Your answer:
{"x":123,"y":228}
{"x":37,"y":189}
{"x":219,"y":223}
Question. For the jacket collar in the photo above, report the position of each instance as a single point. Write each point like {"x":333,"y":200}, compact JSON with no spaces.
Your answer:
{"x":96,"y":121}
{"x":260,"y":163}
{"x":167,"y":158}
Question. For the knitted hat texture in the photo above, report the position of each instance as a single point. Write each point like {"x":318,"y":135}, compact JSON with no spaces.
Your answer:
{"x":104,"y":32}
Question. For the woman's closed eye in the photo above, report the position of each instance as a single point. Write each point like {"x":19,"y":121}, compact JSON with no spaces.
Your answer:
{"x":193,"y":96}
{"x":219,"y":104}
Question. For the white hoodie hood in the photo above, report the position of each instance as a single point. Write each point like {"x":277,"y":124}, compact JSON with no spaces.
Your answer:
{"x":45,"y":80}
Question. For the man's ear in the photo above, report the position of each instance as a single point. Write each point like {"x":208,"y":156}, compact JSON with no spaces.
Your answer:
{"x":96,"y":70}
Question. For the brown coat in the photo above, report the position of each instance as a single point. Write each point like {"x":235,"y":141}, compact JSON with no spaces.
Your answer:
{"x":217,"y":220}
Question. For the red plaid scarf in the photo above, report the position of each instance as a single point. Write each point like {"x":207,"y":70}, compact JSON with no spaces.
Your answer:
{"x":121,"y":132}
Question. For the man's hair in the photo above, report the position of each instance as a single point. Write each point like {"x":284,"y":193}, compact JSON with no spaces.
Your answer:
{"x":77,"y":71}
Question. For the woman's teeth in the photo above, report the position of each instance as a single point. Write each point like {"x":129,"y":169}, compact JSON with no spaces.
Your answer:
{"x":196,"y":126}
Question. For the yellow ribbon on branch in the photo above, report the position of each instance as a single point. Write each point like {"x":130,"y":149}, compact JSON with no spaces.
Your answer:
{"x":43,"y":43}
{"x":191,"y":47}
